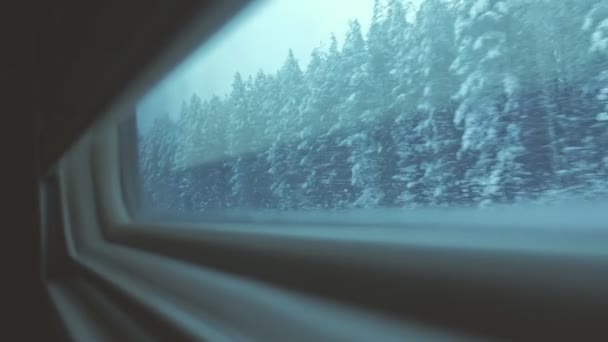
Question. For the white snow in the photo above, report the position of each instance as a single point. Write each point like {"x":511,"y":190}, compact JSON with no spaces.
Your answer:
{"x":511,"y":84}
{"x":492,"y":54}
{"x":350,"y":140}
{"x":356,"y":174}
{"x":478,"y":43}
{"x":427,"y":91}
{"x":599,"y":38}
{"x":459,"y":28}
{"x":479,"y":7}
{"x":502,"y":7}
{"x":602,"y":117}
{"x":369,"y":198}
{"x":587,"y":23}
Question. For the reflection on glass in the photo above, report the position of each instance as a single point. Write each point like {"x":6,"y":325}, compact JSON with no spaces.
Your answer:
{"x":417,"y":104}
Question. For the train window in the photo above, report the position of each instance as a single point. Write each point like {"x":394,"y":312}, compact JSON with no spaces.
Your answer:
{"x":329,"y":105}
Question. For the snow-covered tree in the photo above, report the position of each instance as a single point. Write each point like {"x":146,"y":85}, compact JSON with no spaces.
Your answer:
{"x":187,"y":152}
{"x":157,"y":149}
{"x":488,"y":94}
{"x":359,"y":118}
{"x":469,"y":102}
{"x":435,"y":52}
{"x":238,"y":142}
{"x":285,"y":126}
{"x":210,"y":186}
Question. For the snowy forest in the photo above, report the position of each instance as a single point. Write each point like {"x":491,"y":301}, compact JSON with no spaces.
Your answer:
{"x":473,"y":103}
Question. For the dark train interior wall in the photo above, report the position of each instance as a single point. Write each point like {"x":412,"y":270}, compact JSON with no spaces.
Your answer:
{"x":27,"y":314}
{"x":63,"y":61}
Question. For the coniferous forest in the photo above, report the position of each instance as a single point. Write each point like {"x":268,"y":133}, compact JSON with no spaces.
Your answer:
{"x":473,"y":103}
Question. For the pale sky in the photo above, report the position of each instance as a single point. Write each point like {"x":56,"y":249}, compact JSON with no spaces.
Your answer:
{"x":259,"y":38}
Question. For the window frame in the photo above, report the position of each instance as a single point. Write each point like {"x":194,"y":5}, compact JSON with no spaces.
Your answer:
{"x":490,"y":287}
{"x":96,"y":217}
{"x":463,"y":288}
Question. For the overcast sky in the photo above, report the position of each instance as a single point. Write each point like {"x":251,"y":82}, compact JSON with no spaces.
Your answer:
{"x":259,"y":38}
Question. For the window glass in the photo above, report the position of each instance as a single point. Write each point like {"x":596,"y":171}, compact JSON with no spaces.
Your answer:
{"x":342,"y":104}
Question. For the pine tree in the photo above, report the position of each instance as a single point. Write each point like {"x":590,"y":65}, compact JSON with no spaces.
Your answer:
{"x":488,"y":94}
{"x":318,"y":108}
{"x":327,"y":183}
{"x":436,"y":51}
{"x":283,"y":160}
{"x":476,"y":102}
{"x":209,"y":186}
{"x":187,"y":154}
{"x":556,"y":107}
{"x":157,"y":155}
{"x":406,"y":139}
{"x":596,"y":24}
{"x":359,"y":115}
{"x":266,"y":88}
{"x":239,"y":139}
